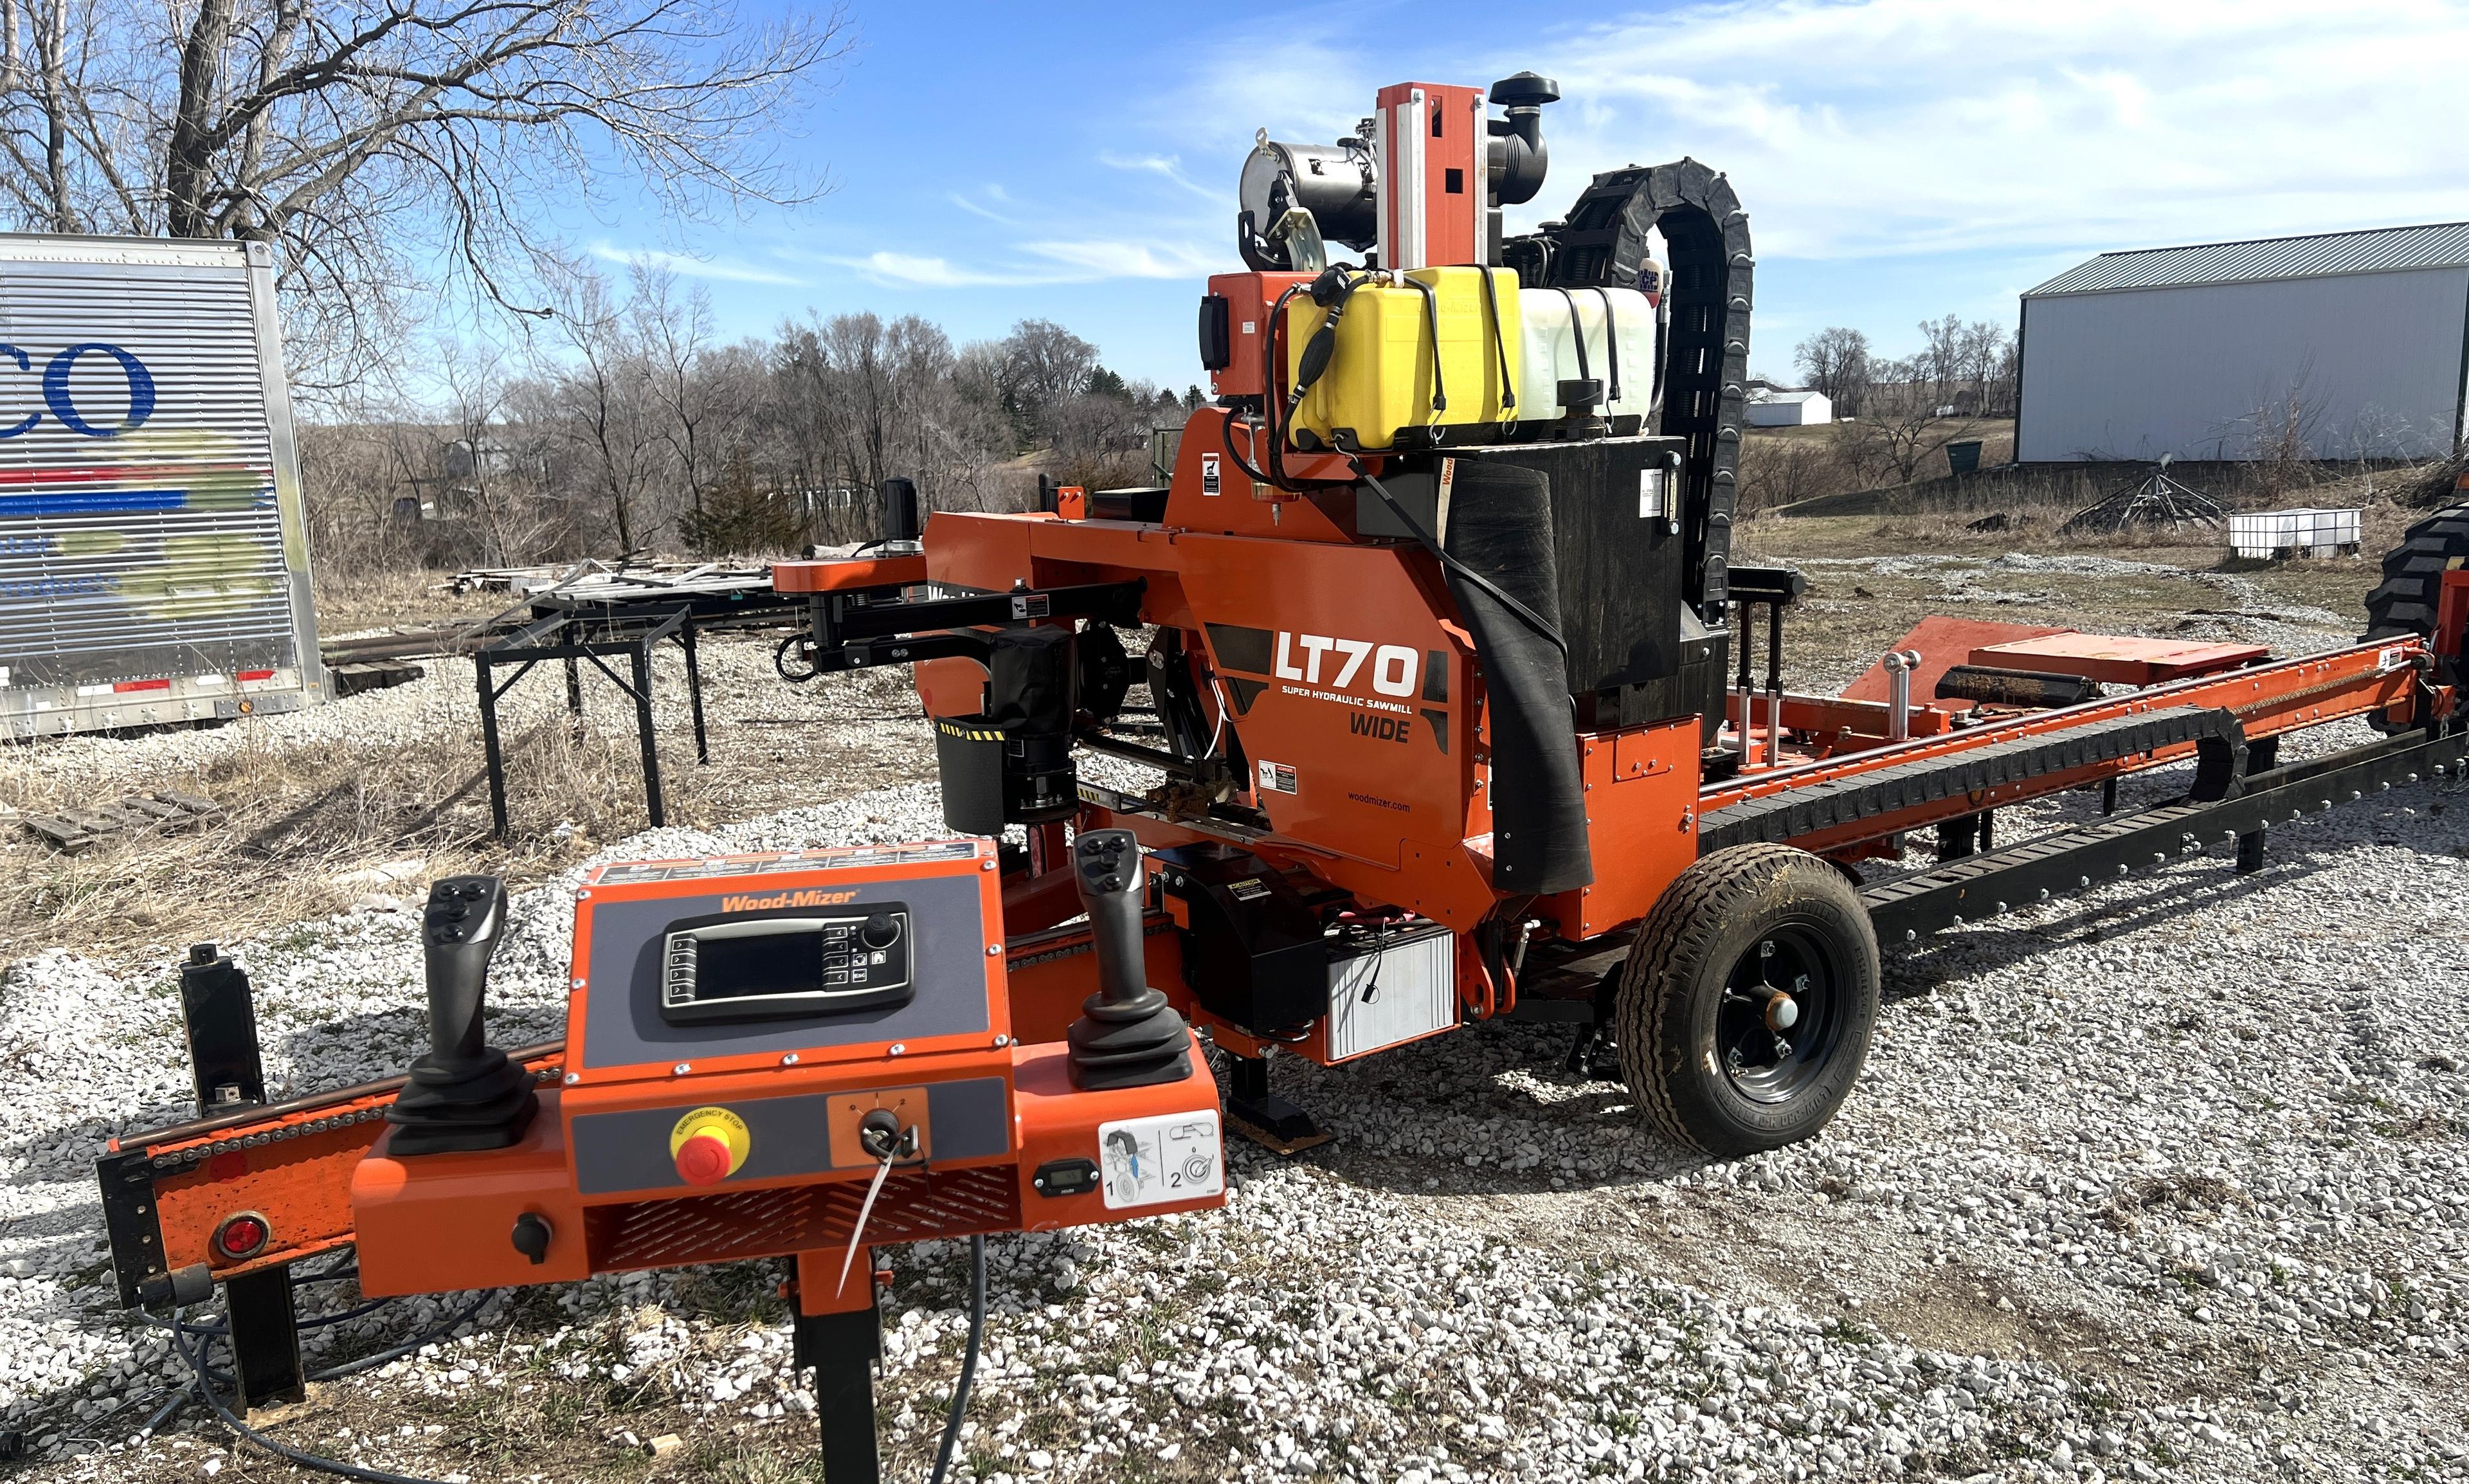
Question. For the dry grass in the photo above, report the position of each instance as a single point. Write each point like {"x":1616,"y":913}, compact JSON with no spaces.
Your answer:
{"x":348,"y":602}
{"x":309,"y":801}
{"x":299,"y":820}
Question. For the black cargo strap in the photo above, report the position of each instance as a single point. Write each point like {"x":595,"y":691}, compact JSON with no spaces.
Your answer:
{"x":1500,"y":343}
{"x":1432,"y":318}
{"x":1577,"y":333}
{"x":1612,"y":347}
{"x":1795,"y":812}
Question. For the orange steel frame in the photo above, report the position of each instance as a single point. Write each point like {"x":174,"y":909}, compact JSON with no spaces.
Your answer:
{"x":1406,"y":823}
{"x":1397,"y":820}
{"x":317,"y":1173}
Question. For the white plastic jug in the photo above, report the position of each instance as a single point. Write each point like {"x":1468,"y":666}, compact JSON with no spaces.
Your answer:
{"x":1625,"y":355}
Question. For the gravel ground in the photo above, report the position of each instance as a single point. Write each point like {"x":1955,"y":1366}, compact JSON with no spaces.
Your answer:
{"x":2169,"y":1182}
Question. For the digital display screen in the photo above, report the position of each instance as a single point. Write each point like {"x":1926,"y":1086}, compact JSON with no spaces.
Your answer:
{"x":734,"y":967}
{"x":737,"y":969}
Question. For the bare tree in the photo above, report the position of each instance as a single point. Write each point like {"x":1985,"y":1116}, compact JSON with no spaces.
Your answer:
{"x":597,"y":399}
{"x":674,"y":336}
{"x":1042,"y":366}
{"x":1836,"y":360}
{"x":369,"y":143}
{"x":482,"y":478}
{"x":1900,"y":426}
{"x":1942,"y":360}
{"x":1777,"y":472}
{"x":1101,"y":439}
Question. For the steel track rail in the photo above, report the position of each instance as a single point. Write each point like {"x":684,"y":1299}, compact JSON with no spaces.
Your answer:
{"x":2072,"y":861}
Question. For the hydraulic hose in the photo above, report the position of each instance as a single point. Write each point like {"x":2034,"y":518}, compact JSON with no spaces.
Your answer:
{"x":968,"y":1356}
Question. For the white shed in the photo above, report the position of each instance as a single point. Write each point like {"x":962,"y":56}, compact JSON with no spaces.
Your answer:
{"x":2352,"y":344}
{"x":1776,"y":407}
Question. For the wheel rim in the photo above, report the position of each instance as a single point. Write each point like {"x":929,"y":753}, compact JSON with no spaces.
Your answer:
{"x":1786,"y":976}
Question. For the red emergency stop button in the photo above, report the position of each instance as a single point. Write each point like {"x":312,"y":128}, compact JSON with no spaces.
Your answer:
{"x":708,"y":1144}
{"x":704,"y":1160}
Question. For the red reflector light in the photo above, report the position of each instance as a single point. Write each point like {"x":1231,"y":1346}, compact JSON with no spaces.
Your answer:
{"x":123,"y":688}
{"x":250,"y":675}
{"x":241,"y":1235}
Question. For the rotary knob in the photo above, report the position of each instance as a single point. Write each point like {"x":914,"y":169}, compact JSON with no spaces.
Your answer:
{"x":881,"y":931}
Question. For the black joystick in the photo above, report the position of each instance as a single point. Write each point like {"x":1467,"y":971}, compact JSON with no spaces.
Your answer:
{"x":1127,"y":1034}
{"x":463,"y":1094}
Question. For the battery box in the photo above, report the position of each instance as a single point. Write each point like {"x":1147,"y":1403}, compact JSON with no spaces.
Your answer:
{"x":1389,"y":984}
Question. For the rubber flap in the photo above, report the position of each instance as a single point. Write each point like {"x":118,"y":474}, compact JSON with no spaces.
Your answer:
{"x":1500,"y":526}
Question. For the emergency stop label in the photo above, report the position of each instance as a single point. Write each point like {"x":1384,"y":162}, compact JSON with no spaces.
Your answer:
{"x":1151,"y":1161}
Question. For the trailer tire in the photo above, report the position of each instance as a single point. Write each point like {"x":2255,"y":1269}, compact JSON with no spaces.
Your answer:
{"x":2404,"y":602}
{"x":1697,"y":1009}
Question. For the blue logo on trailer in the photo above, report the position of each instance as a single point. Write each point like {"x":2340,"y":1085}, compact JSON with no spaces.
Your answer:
{"x":61,"y":402}
{"x":63,"y":406}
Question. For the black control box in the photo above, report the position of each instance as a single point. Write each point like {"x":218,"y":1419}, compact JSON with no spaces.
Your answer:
{"x":1254,"y":955}
{"x":735,"y":967}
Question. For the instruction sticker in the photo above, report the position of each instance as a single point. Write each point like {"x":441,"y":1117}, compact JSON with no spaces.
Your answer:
{"x":1209,"y":484}
{"x":1276,"y":778}
{"x":1150,"y":1161}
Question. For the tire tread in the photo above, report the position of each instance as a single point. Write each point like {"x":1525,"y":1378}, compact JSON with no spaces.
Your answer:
{"x":1679,"y":930}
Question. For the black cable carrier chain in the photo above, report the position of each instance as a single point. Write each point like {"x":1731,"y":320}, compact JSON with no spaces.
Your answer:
{"x":1805,"y":809}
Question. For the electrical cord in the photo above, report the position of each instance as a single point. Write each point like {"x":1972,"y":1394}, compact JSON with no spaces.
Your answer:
{"x":1523,"y":613}
{"x":1226,"y":433}
{"x":1307,"y":373}
{"x":968,"y":1356}
{"x":204,"y":1376}
{"x":284,"y":1452}
{"x":781,"y":662}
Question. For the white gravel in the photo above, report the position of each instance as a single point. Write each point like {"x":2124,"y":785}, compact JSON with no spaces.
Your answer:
{"x":2173,"y":1183}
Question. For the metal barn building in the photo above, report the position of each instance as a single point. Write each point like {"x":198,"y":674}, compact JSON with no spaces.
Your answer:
{"x":2359,"y":340}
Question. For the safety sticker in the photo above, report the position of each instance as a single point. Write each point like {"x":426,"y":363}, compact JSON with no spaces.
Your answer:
{"x":1276,"y":778}
{"x":1149,"y":1161}
{"x":2386,"y":661}
{"x":1209,"y":484}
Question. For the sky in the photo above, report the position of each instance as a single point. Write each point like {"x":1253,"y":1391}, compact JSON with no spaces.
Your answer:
{"x":1899,"y":159}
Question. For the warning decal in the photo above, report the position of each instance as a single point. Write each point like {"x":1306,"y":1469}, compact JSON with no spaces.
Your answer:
{"x":1276,"y":778}
{"x":1150,"y":1161}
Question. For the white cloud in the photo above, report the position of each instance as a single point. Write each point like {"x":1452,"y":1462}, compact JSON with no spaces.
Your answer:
{"x":1919,"y":125}
{"x":909,"y":271}
{"x":725,"y":269}
{"x":1857,"y":128}
{"x":1164,"y":165}
{"x":974,"y":209}
{"x":1102,"y":259}
{"x":1063,"y":261}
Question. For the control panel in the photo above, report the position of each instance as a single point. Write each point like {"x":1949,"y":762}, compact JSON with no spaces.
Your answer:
{"x":725,"y":968}
{"x":820,"y":954}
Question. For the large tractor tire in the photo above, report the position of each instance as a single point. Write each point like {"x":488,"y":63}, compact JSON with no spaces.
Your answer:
{"x":1748,"y":1000}
{"x":2404,"y":602}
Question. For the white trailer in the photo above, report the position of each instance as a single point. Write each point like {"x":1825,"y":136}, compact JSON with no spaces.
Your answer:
{"x":153,"y":549}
